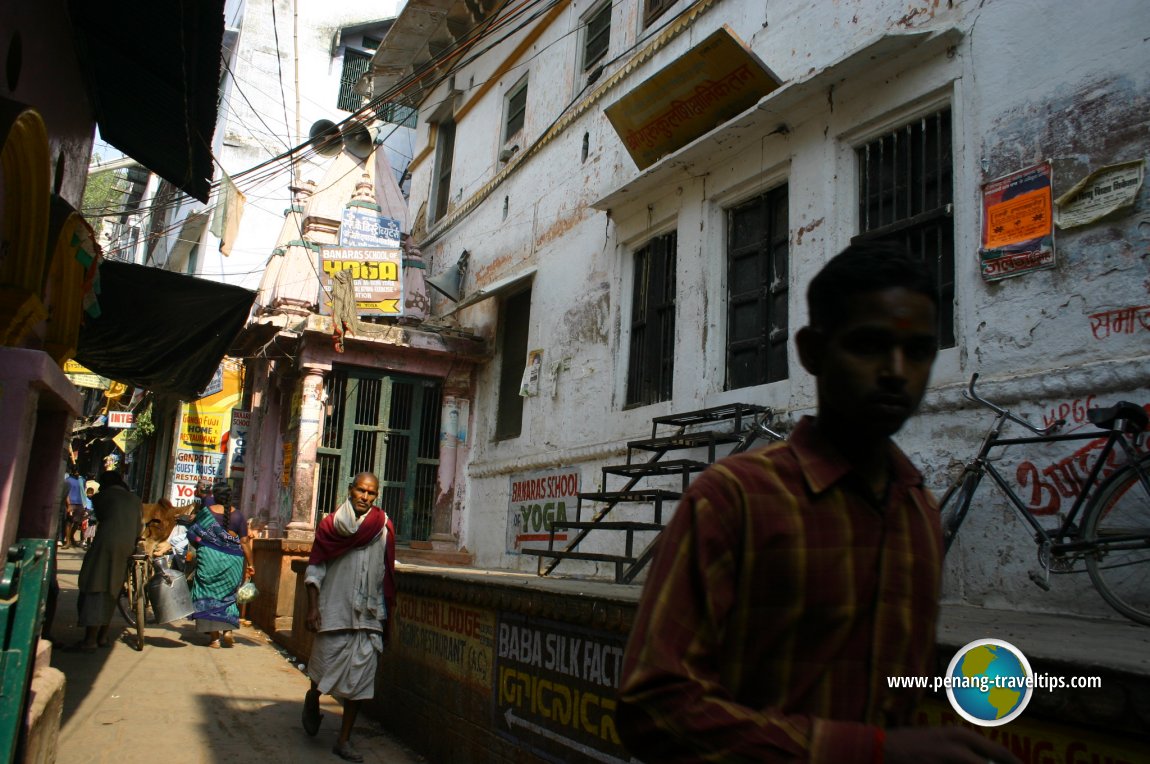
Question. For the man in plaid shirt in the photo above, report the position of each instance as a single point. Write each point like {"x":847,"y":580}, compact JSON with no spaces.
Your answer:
{"x":793,"y":580}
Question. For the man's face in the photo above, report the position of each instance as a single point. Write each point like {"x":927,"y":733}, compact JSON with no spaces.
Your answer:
{"x":363,"y":493}
{"x":873,"y":369}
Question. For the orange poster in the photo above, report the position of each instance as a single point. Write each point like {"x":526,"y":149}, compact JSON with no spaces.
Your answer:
{"x":1017,"y":224}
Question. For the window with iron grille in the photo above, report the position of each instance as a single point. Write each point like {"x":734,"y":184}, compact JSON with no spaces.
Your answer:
{"x":515,"y":320}
{"x":597,"y":35}
{"x":516,"y":111}
{"x":388,"y":425}
{"x":651,"y":360}
{"x":653,"y":9}
{"x":354,"y":66}
{"x":906,"y":195}
{"x":444,"y":154}
{"x":757,"y":290}
{"x":397,"y":114}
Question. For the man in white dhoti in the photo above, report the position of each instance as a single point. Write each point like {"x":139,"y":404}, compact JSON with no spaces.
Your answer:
{"x":350,"y":585}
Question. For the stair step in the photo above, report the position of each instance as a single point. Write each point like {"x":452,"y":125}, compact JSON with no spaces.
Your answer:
{"x":609,"y":525}
{"x":713,"y":414}
{"x":686,"y":440}
{"x":592,"y":556}
{"x":672,"y":467}
{"x":641,"y":494}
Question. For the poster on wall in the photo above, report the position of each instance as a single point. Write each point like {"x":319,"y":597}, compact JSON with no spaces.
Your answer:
{"x":1017,"y":224}
{"x":1100,"y":193}
{"x":555,"y":687}
{"x":537,"y":500}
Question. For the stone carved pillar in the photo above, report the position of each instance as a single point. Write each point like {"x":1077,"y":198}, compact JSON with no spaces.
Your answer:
{"x":302,"y":525}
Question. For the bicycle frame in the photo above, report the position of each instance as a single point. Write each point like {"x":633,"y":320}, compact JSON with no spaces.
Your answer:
{"x":1064,"y":539}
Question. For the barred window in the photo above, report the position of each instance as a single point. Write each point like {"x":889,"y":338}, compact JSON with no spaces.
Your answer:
{"x":757,"y":290}
{"x":597,"y":35}
{"x":354,"y":66}
{"x":516,"y":111}
{"x":906,"y":195}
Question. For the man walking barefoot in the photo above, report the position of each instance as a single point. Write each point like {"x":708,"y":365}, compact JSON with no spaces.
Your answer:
{"x":351,"y":594}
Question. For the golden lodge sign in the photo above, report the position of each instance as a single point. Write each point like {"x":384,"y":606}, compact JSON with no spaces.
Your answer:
{"x":712,"y":83}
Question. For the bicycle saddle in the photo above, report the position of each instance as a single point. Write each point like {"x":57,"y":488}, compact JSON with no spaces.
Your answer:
{"x":1132,"y":416}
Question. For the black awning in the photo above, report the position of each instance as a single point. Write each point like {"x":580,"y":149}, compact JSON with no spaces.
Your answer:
{"x":159,"y":330}
{"x":154,"y":77}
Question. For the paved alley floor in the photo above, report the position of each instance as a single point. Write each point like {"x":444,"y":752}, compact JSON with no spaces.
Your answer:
{"x":179,"y":701}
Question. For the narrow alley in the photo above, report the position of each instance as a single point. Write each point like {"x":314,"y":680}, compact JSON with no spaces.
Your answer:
{"x":178,"y":701}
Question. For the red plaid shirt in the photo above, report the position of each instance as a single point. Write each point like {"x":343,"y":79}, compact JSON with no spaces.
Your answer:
{"x":781,"y":598}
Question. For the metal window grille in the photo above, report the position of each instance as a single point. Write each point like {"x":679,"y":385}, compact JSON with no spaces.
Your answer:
{"x":651,"y":366}
{"x":757,"y":290}
{"x":516,"y":112}
{"x":597,"y":37}
{"x":397,"y":114}
{"x":906,"y":194}
{"x":653,"y":9}
{"x":355,"y":65}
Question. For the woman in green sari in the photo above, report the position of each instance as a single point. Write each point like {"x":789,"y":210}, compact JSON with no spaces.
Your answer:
{"x":218,"y":532}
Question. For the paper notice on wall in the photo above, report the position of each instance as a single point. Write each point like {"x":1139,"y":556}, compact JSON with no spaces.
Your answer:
{"x":529,"y":385}
{"x":1100,"y":193}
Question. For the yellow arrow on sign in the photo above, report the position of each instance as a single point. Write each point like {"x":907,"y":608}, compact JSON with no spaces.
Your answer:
{"x":384,"y":306}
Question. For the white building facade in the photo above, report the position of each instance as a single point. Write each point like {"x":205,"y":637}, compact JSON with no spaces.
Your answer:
{"x":517,"y":165}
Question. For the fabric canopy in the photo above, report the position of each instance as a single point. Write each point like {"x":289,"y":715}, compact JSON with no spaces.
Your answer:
{"x":154,"y":77}
{"x":159,"y":330}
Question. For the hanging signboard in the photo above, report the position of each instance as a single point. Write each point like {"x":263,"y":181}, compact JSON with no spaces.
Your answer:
{"x":364,"y":227}
{"x":121,"y":420}
{"x":712,"y":83}
{"x":375,"y":273}
{"x":1017,"y":224}
{"x":80,"y":376}
{"x":237,"y":442}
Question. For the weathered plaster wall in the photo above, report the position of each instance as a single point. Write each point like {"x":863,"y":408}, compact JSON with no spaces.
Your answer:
{"x":1031,"y":336}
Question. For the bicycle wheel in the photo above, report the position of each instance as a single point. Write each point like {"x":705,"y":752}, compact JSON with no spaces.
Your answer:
{"x":141,"y":602}
{"x":1118,"y":521}
{"x":124,"y":603}
{"x":954,"y":506}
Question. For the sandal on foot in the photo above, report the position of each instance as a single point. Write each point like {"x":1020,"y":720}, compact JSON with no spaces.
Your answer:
{"x":227,"y":640}
{"x":311,"y":715}
{"x":214,"y":644}
{"x":346,"y":752}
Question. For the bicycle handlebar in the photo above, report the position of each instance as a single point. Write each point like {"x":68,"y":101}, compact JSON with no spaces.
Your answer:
{"x":971,"y":395}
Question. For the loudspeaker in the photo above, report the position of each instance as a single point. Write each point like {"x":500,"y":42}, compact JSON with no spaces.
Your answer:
{"x":359,"y":140}
{"x":450,"y":282}
{"x":356,"y":138}
{"x":325,"y":137}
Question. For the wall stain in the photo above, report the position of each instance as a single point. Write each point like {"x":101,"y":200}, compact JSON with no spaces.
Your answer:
{"x":803,"y":230}
{"x":586,"y":322}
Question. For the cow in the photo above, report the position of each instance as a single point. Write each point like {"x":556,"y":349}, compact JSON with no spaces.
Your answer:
{"x":157,"y":522}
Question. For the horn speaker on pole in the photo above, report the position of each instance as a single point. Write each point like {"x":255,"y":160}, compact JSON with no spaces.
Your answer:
{"x":450,"y":282}
{"x":326,"y":138}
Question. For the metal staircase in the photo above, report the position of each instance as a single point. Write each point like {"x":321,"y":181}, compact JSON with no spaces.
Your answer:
{"x":739,"y":425}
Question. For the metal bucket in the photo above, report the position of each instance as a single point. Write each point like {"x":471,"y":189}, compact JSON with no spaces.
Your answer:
{"x":169,"y":595}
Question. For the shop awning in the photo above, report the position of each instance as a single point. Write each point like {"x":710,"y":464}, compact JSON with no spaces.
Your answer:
{"x":154,"y":77}
{"x":159,"y":330}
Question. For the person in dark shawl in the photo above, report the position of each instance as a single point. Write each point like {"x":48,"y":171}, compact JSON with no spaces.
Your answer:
{"x":350,"y":583}
{"x":106,"y":563}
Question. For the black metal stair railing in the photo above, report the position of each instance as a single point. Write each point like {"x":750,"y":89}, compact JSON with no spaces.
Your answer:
{"x":629,"y":565}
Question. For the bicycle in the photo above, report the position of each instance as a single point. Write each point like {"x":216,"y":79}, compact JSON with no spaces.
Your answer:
{"x":133,"y":599}
{"x":1114,"y":538}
